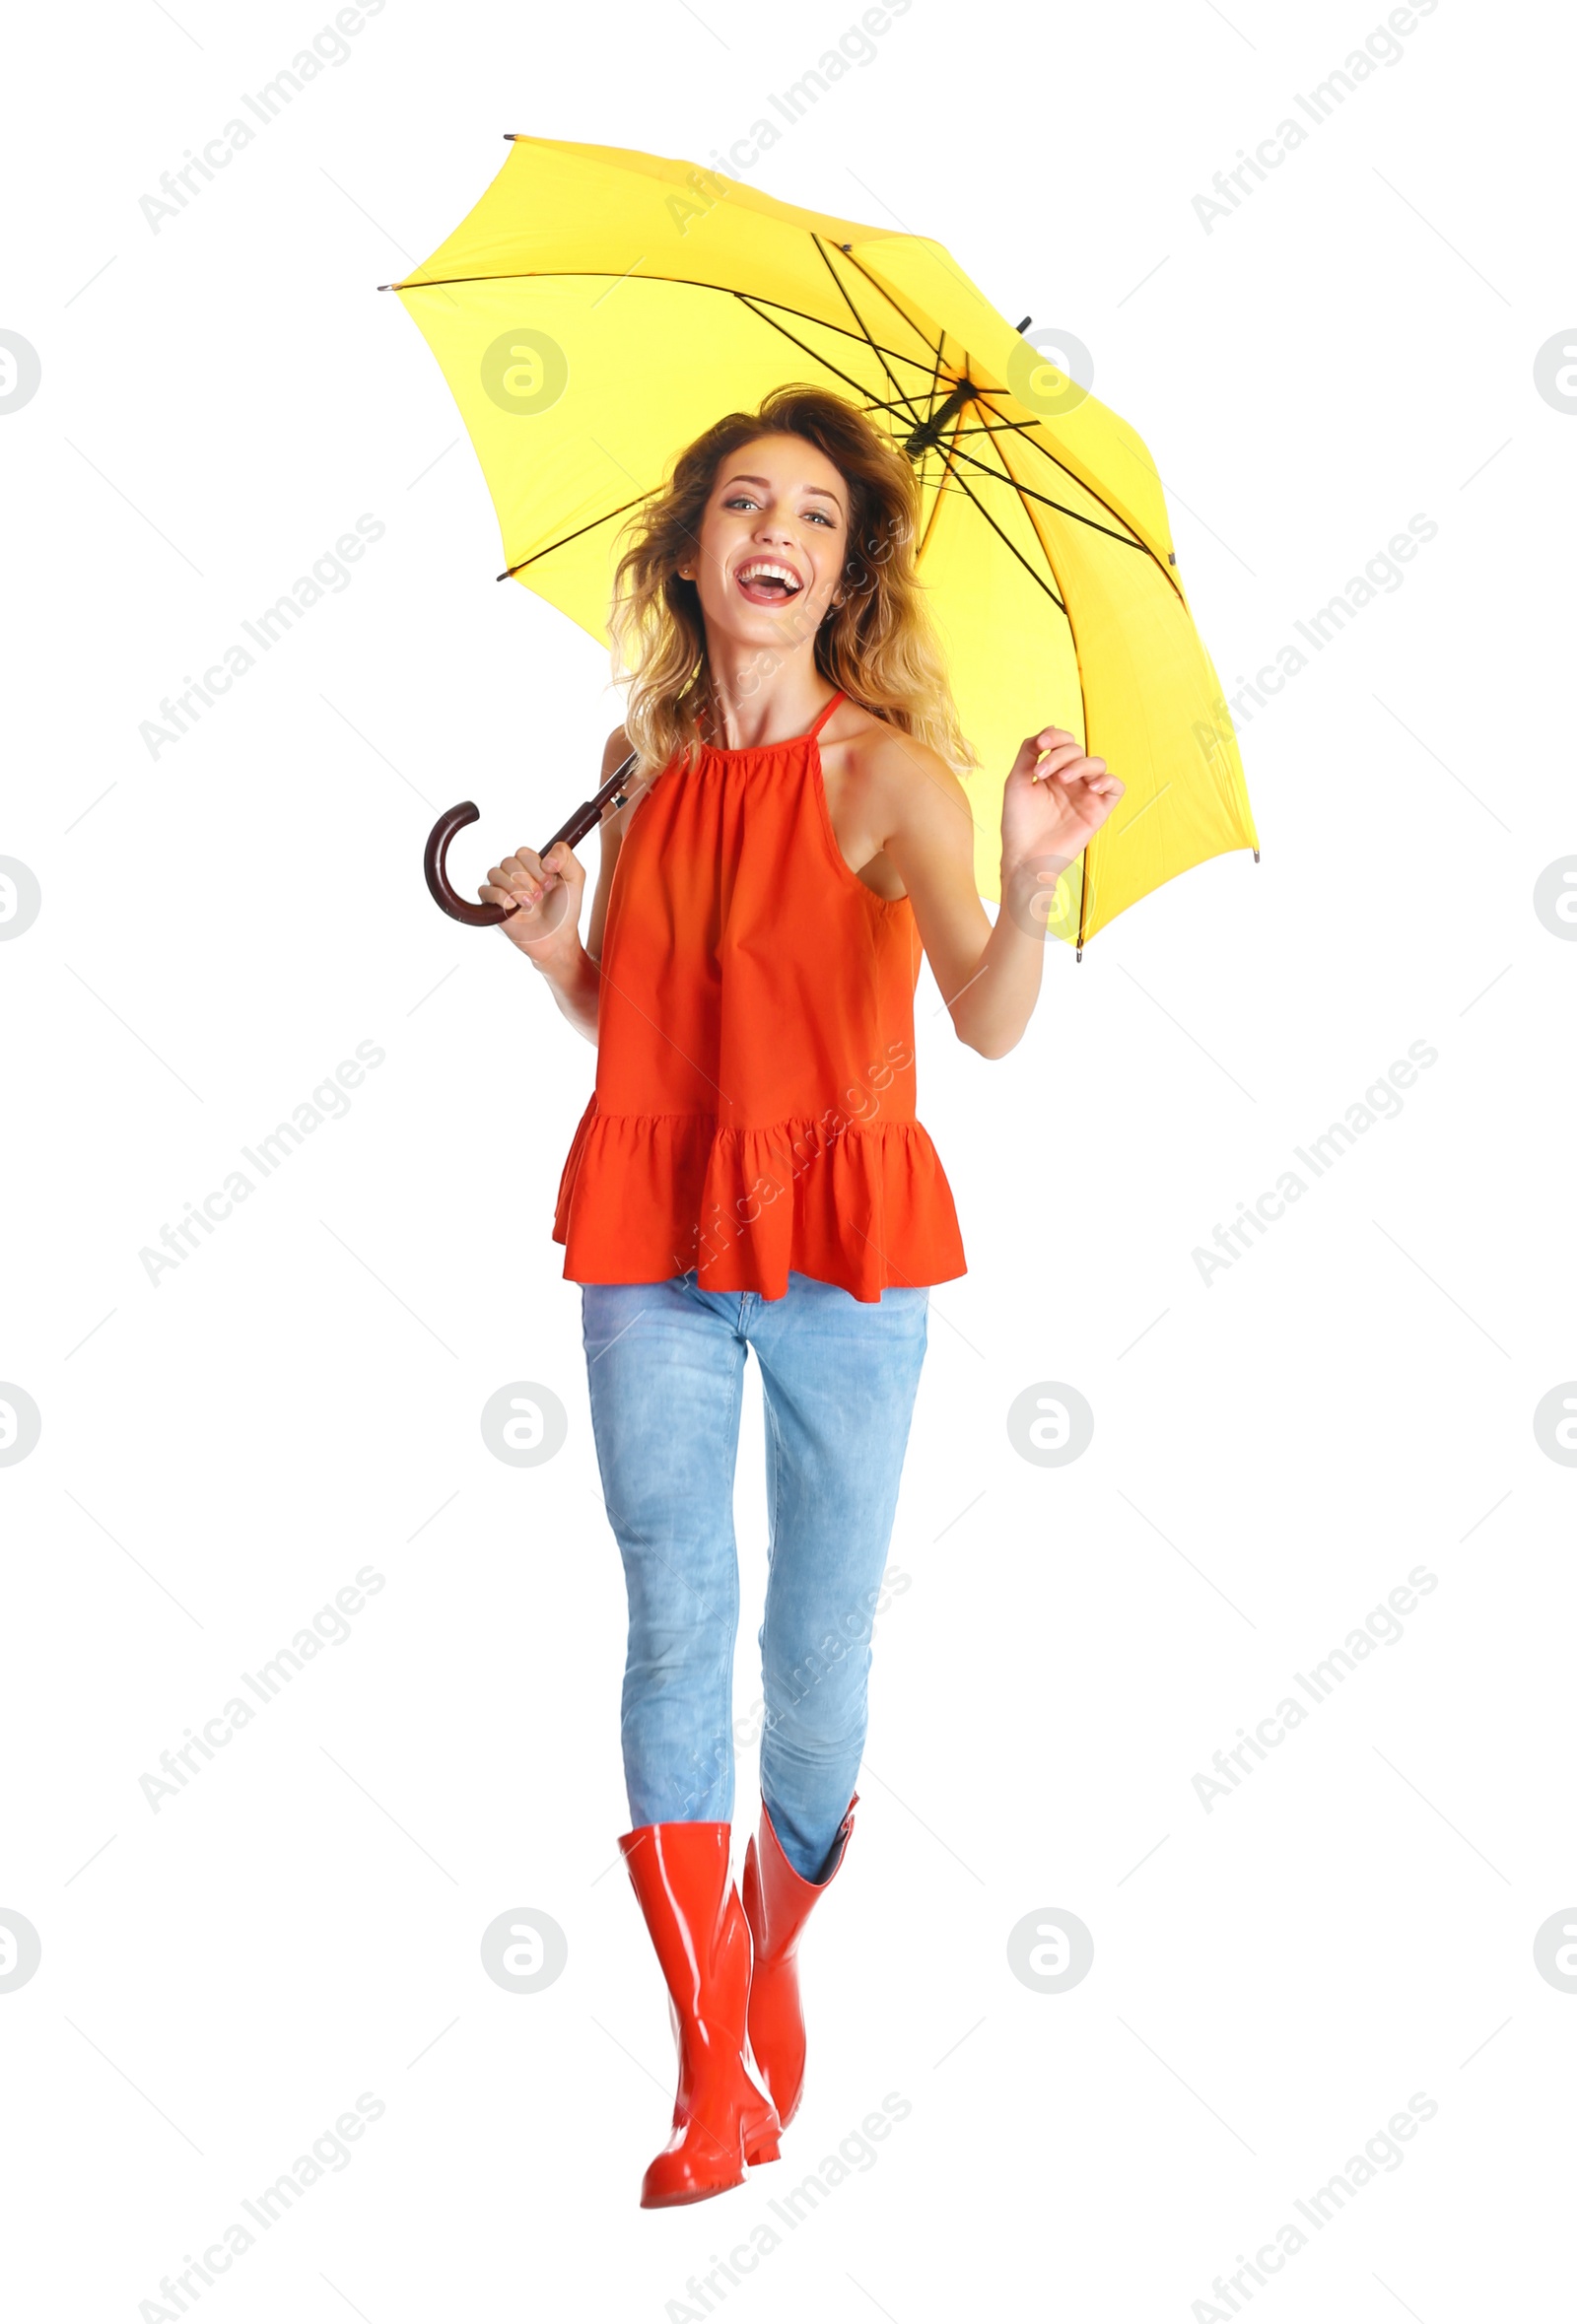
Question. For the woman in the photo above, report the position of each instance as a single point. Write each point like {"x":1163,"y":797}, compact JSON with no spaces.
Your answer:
{"x":749,"y":1171}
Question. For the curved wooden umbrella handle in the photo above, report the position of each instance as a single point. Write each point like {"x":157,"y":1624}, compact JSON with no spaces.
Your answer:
{"x":435,"y":861}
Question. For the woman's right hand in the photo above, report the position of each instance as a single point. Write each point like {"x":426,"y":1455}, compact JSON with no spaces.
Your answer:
{"x":548,"y":891}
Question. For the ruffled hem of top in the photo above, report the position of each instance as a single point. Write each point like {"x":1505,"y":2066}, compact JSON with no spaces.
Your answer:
{"x":646,"y":1197}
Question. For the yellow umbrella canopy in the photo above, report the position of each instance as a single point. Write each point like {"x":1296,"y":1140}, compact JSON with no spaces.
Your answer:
{"x":599,"y":308}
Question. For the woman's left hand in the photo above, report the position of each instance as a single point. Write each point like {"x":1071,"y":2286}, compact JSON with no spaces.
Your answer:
{"x":1056,"y":798}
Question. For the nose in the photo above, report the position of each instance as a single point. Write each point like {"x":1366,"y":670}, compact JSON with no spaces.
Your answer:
{"x":775,"y":538}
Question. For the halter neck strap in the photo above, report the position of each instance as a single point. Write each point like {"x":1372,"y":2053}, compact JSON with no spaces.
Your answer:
{"x":826,"y":713}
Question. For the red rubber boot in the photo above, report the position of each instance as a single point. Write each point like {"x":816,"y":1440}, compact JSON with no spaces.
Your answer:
{"x":722,"y":2121}
{"x":778,"y":1905}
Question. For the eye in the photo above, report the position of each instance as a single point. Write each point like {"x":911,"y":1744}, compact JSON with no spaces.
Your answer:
{"x":740,"y":500}
{"x":829,"y":521}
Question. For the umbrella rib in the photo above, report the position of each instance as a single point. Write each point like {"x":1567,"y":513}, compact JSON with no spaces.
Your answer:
{"x":1022,"y":428}
{"x":1009,"y":478}
{"x":1004,"y":476}
{"x":882,"y":290}
{"x":755,"y":303}
{"x":746,"y":301}
{"x":563,"y":542}
{"x":1128,"y":539}
{"x":1018,"y":427}
{"x":892,"y":403}
{"x":606,"y":517}
{"x":935,"y":376}
{"x":980,"y":394}
{"x":942,"y":484}
{"x":931,"y":405}
{"x":1007,"y":475}
{"x":936,"y":505}
{"x":947,"y":481}
{"x":680,"y":281}
{"x":859,"y":318}
{"x":1035,"y":577}
{"x":849,"y":382}
{"x":1086,"y":880}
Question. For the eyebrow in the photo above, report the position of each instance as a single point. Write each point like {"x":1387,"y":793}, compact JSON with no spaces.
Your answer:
{"x":819,"y":491}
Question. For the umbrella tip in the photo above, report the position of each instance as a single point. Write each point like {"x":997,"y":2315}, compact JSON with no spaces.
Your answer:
{"x":1255,"y":855}
{"x":1024,"y":325}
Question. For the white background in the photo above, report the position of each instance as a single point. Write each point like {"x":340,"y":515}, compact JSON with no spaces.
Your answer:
{"x":1274,"y":1452}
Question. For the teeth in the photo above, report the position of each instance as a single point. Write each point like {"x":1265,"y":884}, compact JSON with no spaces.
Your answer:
{"x":760,"y":571}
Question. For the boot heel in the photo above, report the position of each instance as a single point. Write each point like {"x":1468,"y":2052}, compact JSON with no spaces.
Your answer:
{"x":761,"y":2141}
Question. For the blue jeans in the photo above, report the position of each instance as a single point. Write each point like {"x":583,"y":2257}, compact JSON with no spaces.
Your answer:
{"x":665,"y":1364}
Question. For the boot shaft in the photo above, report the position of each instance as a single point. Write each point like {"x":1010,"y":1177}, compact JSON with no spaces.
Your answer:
{"x":695,"y":1919}
{"x":778,"y":1900}
{"x":723,"y":2123}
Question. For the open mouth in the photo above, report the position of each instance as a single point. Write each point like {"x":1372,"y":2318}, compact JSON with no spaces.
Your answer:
{"x":764,"y":581}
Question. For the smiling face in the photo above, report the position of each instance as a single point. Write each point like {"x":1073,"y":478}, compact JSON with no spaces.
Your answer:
{"x":774,"y":538}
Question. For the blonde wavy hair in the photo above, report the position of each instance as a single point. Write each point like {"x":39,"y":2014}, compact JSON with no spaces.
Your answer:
{"x":878,"y":647}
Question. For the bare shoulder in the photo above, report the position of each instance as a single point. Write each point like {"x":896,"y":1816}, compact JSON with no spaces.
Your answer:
{"x":906,"y":783}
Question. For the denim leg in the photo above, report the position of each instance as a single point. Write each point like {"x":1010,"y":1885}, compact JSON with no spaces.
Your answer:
{"x":839,"y":1380}
{"x":664,"y":1364}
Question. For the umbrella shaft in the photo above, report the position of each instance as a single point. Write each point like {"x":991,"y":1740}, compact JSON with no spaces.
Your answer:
{"x":923,"y":438}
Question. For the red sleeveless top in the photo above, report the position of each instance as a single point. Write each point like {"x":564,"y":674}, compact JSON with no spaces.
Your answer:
{"x":754,"y":1108}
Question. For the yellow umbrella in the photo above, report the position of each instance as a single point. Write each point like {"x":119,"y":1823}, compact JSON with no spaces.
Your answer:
{"x":599,"y":308}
